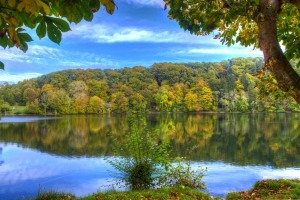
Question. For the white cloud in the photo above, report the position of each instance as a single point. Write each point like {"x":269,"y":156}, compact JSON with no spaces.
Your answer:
{"x":9,"y":77}
{"x":152,"y":3}
{"x":226,"y":51}
{"x":103,"y":33}
{"x":234,"y":50}
{"x":42,"y":59}
{"x":48,"y":56}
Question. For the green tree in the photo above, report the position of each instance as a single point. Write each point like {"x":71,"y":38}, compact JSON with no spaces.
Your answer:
{"x":98,"y":88}
{"x":33,"y":108}
{"x":242,"y":104}
{"x":4,"y":107}
{"x":96,"y":105}
{"x":263,"y":24}
{"x":49,"y":17}
{"x":161,"y":99}
{"x":119,"y":102}
{"x":138,"y":103}
{"x":62,"y":102}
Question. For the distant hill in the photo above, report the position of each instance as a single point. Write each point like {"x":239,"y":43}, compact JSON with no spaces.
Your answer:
{"x":6,"y":82}
{"x":225,"y":86}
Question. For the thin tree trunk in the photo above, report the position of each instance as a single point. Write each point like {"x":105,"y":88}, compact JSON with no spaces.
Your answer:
{"x":286,"y":76}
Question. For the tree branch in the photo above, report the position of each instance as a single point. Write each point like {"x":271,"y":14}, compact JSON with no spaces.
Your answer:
{"x":1,"y":7}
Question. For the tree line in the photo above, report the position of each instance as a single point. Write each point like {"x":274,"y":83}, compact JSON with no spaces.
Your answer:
{"x":226,"y":86}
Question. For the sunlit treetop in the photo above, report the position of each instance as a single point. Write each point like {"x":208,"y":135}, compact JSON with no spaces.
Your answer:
{"x":264,"y":24}
{"x":49,"y":17}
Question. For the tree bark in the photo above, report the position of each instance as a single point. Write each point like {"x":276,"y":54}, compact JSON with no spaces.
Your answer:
{"x":286,"y":76}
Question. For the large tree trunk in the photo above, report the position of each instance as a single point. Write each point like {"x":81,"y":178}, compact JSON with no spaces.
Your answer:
{"x":275,"y":59}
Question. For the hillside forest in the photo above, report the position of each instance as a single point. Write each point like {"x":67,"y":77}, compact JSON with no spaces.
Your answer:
{"x":226,"y":86}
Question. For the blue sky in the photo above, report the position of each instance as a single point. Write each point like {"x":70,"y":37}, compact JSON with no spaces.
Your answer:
{"x":139,"y":33}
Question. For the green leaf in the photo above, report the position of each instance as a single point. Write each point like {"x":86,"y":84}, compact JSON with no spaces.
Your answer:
{"x":71,"y":10}
{"x":41,"y":29}
{"x":95,"y":5}
{"x":25,"y":37}
{"x":61,"y":24}
{"x":54,"y":33}
{"x":24,"y":46}
{"x":28,"y":21}
{"x":3,"y":41}
{"x":10,"y":43}
{"x":88,"y":14}
{"x":1,"y":65}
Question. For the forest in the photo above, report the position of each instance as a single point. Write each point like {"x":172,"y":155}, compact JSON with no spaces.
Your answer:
{"x":226,"y":86}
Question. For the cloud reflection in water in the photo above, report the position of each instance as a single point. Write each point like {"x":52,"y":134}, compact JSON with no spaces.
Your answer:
{"x":24,"y":171}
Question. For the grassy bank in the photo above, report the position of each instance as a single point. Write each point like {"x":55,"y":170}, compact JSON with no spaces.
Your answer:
{"x":270,"y":189}
{"x":17,"y":110}
{"x":184,"y":193}
{"x":265,"y":189}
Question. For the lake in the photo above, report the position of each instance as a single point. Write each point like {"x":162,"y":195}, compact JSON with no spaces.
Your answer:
{"x":67,"y":153}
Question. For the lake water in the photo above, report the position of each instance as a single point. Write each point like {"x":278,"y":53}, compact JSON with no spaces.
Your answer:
{"x":68,"y":153}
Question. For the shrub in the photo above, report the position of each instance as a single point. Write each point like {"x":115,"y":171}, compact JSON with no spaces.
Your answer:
{"x":140,"y":160}
{"x":53,"y":195}
{"x":182,"y":174}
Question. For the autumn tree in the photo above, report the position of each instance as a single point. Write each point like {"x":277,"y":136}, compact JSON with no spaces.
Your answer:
{"x":96,"y":105}
{"x":264,"y":24}
{"x":191,"y":102}
{"x":29,"y":95}
{"x":119,"y":102}
{"x":79,"y":94}
{"x":206,"y":98}
{"x":138,"y":103}
{"x":49,"y":17}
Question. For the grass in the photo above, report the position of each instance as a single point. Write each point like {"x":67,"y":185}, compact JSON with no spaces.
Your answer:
{"x":183,"y":193}
{"x":265,"y":189}
{"x":51,"y":195}
{"x":18,"y":110}
{"x":270,"y":189}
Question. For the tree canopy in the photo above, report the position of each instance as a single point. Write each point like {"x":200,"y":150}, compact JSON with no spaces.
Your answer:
{"x":226,"y":86}
{"x":264,"y":24}
{"x":49,"y":17}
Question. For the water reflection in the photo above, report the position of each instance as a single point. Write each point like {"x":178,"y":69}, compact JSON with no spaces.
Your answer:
{"x":242,"y":139}
{"x":1,"y":161}
{"x":26,"y":171}
{"x":66,"y":153}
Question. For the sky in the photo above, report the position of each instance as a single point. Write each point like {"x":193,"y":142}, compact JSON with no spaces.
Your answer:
{"x":139,"y":33}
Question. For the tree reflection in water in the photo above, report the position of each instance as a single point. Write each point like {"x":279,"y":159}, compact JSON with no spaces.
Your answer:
{"x":242,"y":139}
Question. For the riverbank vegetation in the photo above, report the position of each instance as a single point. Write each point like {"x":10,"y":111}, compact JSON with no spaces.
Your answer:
{"x":226,"y":86}
{"x":184,"y":193}
{"x":265,"y":189}
{"x":270,"y":189}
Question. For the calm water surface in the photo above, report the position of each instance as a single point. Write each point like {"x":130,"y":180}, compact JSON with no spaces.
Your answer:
{"x":67,"y":153}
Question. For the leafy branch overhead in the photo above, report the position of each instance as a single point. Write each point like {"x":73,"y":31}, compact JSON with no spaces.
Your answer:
{"x":264,"y":24}
{"x":51,"y":17}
